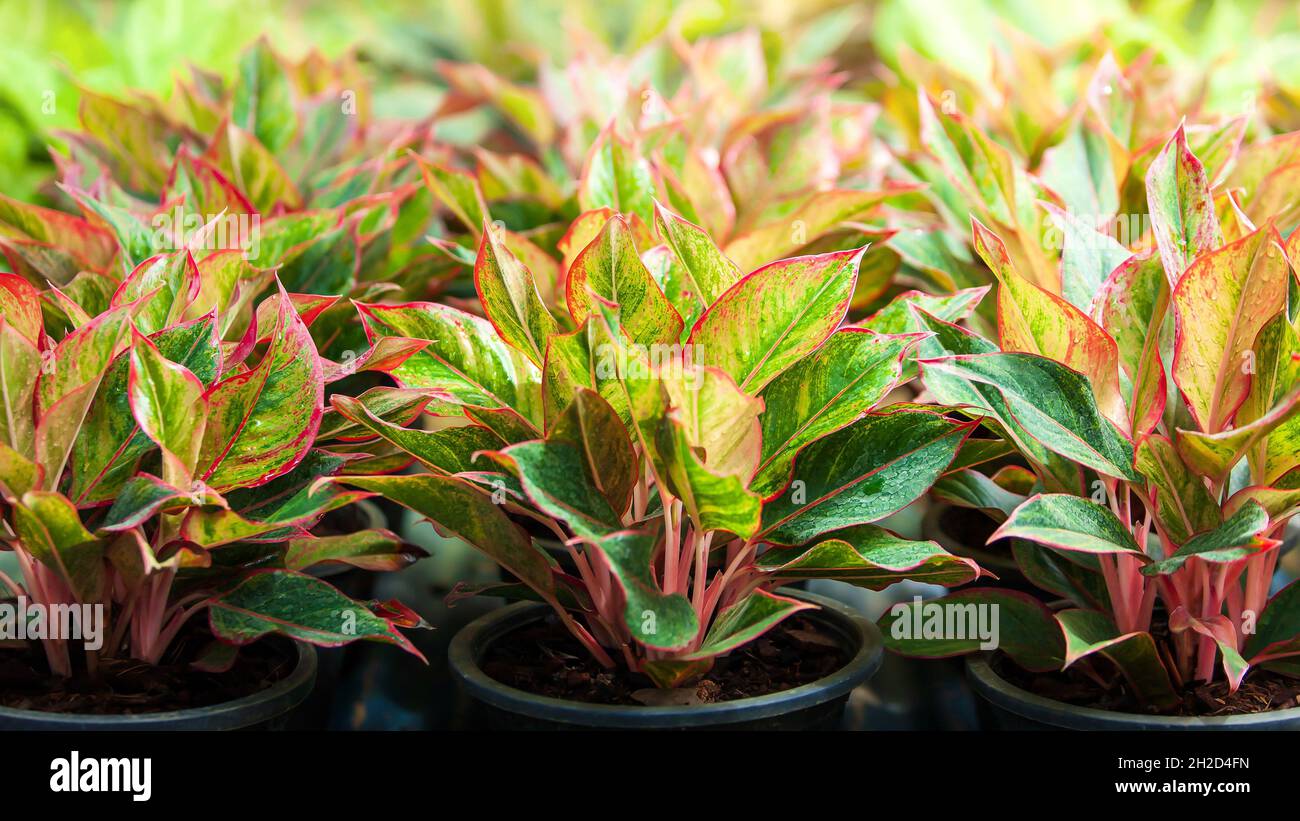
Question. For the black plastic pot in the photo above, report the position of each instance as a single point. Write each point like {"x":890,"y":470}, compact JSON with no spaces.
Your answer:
{"x":267,"y":710}
{"x":819,"y":705}
{"x":1009,"y":707}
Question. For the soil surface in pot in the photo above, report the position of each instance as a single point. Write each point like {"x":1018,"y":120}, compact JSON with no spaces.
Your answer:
{"x":127,"y":686}
{"x":542,"y":658}
{"x":1261,"y":692}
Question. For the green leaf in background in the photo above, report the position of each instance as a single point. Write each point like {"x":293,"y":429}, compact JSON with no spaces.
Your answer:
{"x":1024,"y":628}
{"x":263,"y":99}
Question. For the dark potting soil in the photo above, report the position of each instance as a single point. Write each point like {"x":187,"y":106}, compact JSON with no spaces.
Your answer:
{"x":1261,"y":692}
{"x":126,"y":686}
{"x":542,"y":658}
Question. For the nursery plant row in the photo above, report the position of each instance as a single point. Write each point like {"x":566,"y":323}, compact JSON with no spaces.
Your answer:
{"x":678,"y":332}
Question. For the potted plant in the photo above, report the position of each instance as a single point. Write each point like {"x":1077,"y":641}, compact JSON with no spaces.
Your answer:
{"x":689,"y":470}
{"x":158,"y":494}
{"x":1153,"y":505}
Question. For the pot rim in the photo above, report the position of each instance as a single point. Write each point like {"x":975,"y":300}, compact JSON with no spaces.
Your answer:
{"x":473,"y":638}
{"x":1007,"y":696}
{"x":246,"y":711}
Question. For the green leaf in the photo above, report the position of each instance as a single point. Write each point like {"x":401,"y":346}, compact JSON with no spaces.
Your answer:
{"x":654,"y":619}
{"x":263,"y":100}
{"x":610,"y":268}
{"x":745,"y":621}
{"x":1277,"y":373}
{"x":969,"y":488}
{"x":1182,"y":211}
{"x":262,"y":422}
{"x":558,"y":481}
{"x":20,"y":364}
{"x":50,"y":529}
{"x":1035,"y":320}
{"x":1088,"y":631}
{"x":776,"y":316}
{"x":592,"y":426}
{"x":1068,"y":522}
{"x":143,"y":496}
{"x":103,"y":462}
{"x":1088,"y":257}
{"x":617,"y":177}
{"x":1021,"y":625}
{"x":1238,"y":537}
{"x":69,"y":378}
{"x":1182,"y":503}
{"x":897,"y":317}
{"x":708,"y":271}
{"x":1131,"y":307}
{"x":464,"y":510}
{"x":822,"y":211}
{"x":1054,"y":404}
{"x":298,"y":606}
{"x":464,"y":359}
{"x":1215,"y":454}
{"x":367,"y":549}
{"x":168,"y":405}
{"x":713,"y":500}
{"x":862,"y":473}
{"x":459,"y":191}
{"x":871,"y":557}
{"x":448,"y":450}
{"x":1222,"y":302}
{"x":510,"y":299}
{"x":1277,"y":633}
{"x":840,"y":381}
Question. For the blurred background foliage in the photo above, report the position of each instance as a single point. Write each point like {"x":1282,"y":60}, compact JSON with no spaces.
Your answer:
{"x":53,"y":46}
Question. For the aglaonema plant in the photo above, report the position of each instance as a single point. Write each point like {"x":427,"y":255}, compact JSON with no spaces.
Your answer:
{"x":773,"y":159}
{"x":1153,"y":400}
{"x":151,"y":470}
{"x":688,"y":469}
